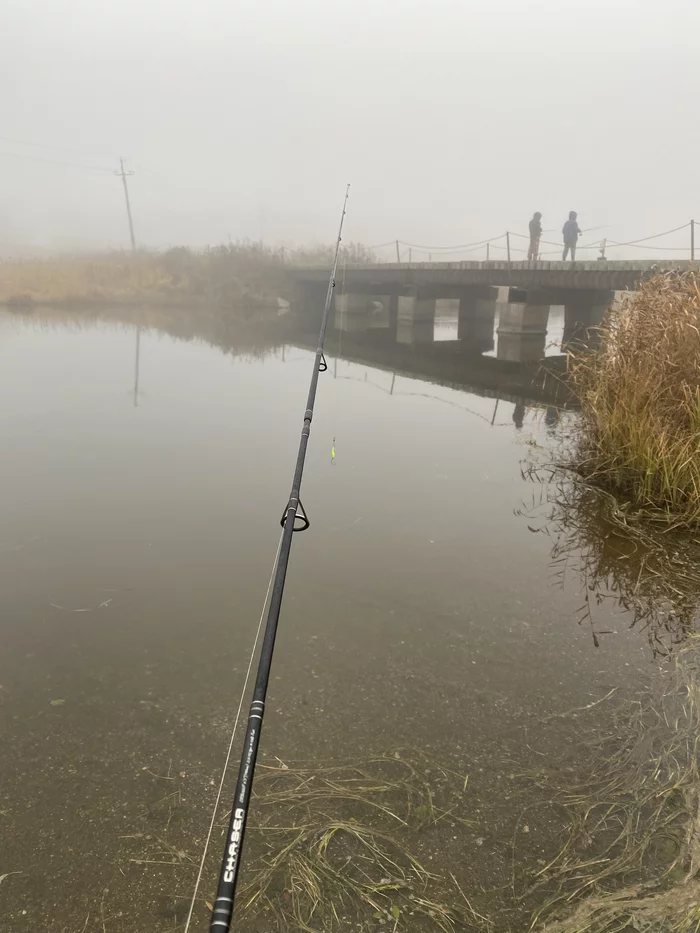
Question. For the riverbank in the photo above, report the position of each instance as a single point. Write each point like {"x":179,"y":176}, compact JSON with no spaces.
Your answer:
{"x":238,"y":275}
{"x":639,"y":434}
{"x":243,"y":275}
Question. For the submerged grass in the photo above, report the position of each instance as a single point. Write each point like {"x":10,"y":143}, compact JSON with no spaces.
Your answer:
{"x":339,"y":845}
{"x":629,"y":859}
{"x":631,"y":856}
{"x":617,"y":556}
{"x":640,"y":400}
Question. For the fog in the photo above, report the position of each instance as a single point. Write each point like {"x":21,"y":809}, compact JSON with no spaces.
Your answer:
{"x":453,"y":121}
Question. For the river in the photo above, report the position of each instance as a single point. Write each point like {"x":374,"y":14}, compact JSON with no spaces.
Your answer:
{"x":138,"y":525}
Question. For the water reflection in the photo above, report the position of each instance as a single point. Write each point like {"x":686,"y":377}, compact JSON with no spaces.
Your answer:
{"x":616,"y":558}
{"x":134,"y":554}
{"x":452,"y":364}
{"x":137,"y":366}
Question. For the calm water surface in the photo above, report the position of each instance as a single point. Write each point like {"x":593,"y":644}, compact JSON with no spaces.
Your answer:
{"x":137,"y":533}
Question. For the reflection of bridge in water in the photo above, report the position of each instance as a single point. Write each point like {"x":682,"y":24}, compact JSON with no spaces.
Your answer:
{"x":456,"y":364}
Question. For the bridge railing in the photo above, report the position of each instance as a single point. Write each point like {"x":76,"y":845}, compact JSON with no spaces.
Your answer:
{"x":512,"y":246}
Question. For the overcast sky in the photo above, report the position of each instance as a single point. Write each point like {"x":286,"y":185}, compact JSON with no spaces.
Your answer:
{"x":454,"y":120}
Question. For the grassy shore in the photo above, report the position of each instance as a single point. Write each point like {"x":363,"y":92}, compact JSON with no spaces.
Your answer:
{"x":234,"y":275}
{"x":226,"y":275}
{"x":640,"y":401}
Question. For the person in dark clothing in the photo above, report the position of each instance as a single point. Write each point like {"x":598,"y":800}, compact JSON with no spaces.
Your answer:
{"x":535,"y":234}
{"x":572,"y":232}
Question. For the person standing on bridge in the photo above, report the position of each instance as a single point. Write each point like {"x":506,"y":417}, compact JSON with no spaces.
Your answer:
{"x":572,"y":232}
{"x":535,"y":234}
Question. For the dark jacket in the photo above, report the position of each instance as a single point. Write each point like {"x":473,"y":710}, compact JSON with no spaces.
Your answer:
{"x":535,"y":229}
{"x":572,"y":232}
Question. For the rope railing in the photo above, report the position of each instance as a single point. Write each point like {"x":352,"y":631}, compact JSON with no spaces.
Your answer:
{"x":435,"y":249}
{"x":414,"y":252}
{"x":404,"y":251}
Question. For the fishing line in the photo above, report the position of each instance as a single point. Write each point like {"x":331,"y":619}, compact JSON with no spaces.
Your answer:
{"x":230,"y":744}
{"x":340,"y":345}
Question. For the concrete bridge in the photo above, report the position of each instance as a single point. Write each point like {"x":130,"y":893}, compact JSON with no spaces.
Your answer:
{"x":520,"y":293}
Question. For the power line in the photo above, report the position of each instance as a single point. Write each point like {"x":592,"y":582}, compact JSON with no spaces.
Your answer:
{"x":33,"y":158}
{"x":26,"y":142}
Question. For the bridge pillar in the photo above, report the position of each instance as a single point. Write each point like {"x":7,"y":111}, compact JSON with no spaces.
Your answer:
{"x":352,"y":312}
{"x":583,"y":312}
{"x":522,"y":327}
{"x":415,"y":319}
{"x":477,"y":312}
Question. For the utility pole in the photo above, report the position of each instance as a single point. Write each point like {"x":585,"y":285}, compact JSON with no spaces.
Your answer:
{"x":123,"y":175}
{"x":692,"y":241}
{"x":508,"y":245}
{"x":137,"y":367}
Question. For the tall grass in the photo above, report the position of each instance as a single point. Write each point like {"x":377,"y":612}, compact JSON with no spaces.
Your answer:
{"x":640,"y":399}
{"x":116,"y":277}
{"x":237,"y":274}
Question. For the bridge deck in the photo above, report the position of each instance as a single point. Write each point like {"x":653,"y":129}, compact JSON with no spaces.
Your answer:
{"x":613,"y":275}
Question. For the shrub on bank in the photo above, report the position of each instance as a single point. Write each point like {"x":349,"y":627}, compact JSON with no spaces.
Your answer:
{"x":233,"y":275}
{"x":640,"y":399}
{"x":214,"y":276}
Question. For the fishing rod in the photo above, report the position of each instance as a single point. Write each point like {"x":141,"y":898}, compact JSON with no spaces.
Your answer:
{"x":231,"y":861}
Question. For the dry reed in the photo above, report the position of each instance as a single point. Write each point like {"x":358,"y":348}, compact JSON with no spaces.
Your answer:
{"x":247,"y":274}
{"x":640,"y":400}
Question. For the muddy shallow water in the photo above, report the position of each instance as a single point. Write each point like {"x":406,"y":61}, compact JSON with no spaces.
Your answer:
{"x":138,"y":525}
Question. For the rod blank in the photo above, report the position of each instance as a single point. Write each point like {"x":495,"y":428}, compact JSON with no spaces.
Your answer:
{"x":231,"y":862}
